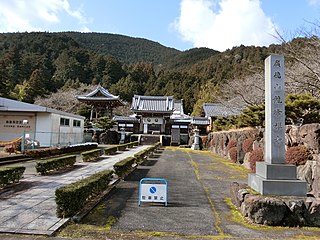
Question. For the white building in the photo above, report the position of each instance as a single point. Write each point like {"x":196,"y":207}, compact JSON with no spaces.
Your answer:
{"x":49,"y":126}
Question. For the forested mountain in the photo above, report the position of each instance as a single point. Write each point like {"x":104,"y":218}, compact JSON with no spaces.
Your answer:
{"x":37,"y":64}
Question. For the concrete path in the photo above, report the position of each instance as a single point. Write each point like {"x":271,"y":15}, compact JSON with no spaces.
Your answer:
{"x":30,"y":207}
{"x":198,"y":193}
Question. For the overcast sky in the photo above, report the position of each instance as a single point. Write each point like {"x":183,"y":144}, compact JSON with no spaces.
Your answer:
{"x":181,"y":24}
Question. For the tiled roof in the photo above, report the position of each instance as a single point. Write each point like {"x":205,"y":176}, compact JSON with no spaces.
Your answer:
{"x":200,"y":121}
{"x":162,"y":104}
{"x":219,"y":110}
{"x":125,"y":119}
{"x":99,"y":93}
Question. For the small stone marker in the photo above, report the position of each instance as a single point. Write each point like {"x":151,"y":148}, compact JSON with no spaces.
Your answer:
{"x":153,"y":190}
{"x":195,"y":144}
{"x":274,"y":176}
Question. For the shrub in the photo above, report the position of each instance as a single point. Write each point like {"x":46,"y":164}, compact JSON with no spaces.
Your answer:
{"x":72,"y":198}
{"x":91,"y":155}
{"x":9,"y":175}
{"x":122,"y":147}
{"x":44,"y":152}
{"x":123,"y":166}
{"x":298,"y":155}
{"x":130,"y":145}
{"x":231,"y":144}
{"x":111,"y":150}
{"x":247,"y":145}
{"x":141,"y":156}
{"x":255,"y":156}
{"x":233,"y":153}
{"x":54,"y":164}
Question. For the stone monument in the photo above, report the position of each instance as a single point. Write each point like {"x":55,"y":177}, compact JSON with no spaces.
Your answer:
{"x":195,"y":145}
{"x":274,"y":176}
{"x":122,"y":136}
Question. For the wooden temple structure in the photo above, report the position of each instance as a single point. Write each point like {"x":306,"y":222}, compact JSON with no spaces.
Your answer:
{"x":153,"y":111}
{"x":102,"y":102}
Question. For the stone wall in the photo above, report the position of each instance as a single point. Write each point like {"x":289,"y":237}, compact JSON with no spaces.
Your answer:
{"x":307,"y":135}
{"x":276,"y":211}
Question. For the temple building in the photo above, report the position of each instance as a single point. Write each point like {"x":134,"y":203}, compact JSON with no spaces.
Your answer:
{"x":212,"y":111}
{"x":153,"y":112}
{"x":102,"y":102}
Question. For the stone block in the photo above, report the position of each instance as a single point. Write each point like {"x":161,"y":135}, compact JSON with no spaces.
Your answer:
{"x":276,"y":171}
{"x":277,"y":187}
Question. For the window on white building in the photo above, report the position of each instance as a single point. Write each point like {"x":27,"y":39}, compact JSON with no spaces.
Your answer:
{"x":64,"y":122}
{"x":76,"y":123}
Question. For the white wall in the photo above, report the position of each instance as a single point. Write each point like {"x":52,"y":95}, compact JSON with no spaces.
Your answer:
{"x":49,"y":132}
{"x":44,"y":129}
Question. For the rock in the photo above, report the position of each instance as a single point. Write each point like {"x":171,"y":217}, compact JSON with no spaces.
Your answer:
{"x":296,"y":215}
{"x":245,"y":206}
{"x":316,"y":180}
{"x":234,"y":188}
{"x":258,"y":144}
{"x":264,"y":210}
{"x":306,"y":172}
{"x":314,"y":214}
{"x":309,"y":135}
{"x":240,"y":153}
{"x":242,"y":194}
{"x":246,"y":162}
{"x":292,"y":134}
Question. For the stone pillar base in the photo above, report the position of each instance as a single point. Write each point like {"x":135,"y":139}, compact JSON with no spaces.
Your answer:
{"x":276,"y":171}
{"x":277,"y":187}
{"x":195,"y":147}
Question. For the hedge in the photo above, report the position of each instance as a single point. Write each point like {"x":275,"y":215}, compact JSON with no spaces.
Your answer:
{"x":73,"y":197}
{"x":45,"y":152}
{"x":129,"y":145}
{"x":111,"y":150}
{"x":123,"y":166}
{"x":142,"y":155}
{"x":91,"y":155}
{"x":55,"y":164}
{"x":122,"y":147}
{"x":9,"y":175}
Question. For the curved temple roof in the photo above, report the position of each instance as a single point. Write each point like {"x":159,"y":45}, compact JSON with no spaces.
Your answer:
{"x":100,"y":95}
{"x":160,"y":104}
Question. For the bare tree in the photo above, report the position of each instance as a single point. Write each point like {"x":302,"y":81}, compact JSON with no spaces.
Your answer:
{"x":243,"y":92}
{"x":64,"y":99}
{"x":303,"y":61}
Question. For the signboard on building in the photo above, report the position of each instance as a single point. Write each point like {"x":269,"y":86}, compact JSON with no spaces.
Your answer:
{"x":153,"y":190}
{"x":152,"y":120}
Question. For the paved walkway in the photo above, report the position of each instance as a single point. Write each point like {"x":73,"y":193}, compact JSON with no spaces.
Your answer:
{"x":198,"y":192}
{"x":30,"y":207}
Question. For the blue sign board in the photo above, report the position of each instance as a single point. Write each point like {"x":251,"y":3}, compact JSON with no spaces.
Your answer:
{"x":153,"y":190}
